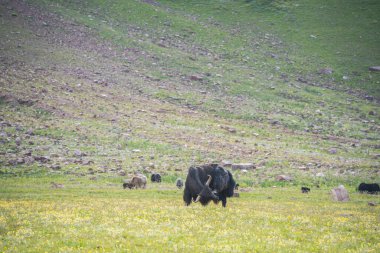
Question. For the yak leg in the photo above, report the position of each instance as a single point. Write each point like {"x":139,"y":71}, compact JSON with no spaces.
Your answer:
{"x":187,"y":196}
{"x":223,"y":198}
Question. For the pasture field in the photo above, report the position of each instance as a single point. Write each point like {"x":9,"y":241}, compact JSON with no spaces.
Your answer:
{"x":99,"y":216}
{"x":94,"y":91}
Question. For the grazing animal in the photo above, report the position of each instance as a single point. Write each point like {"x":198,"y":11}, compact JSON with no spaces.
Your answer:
{"x":128,"y":185}
{"x":305,"y":189}
{"x":208,"y":182}
{"x":138,"y":181}
{"x":56,"y":186}
{"x":179,"y":183}
{"x":155,"y":178}
{"x":237,"y":186}
{"x":369,"y":188}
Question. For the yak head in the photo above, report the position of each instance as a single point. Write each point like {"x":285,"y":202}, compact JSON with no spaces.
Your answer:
{"x":207,"y":192}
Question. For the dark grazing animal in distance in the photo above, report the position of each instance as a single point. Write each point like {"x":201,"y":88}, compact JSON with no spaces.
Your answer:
{"x":208,"y":182}
{"x":179,"y":183}
{"x":155,"y":178}
{"x":305,"y":189}
{"x":369,"y":188}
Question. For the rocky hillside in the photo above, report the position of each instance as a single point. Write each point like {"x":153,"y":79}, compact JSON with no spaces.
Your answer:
{"x":107,"y":88}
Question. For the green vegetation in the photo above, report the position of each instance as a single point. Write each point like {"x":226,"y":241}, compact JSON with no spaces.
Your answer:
{"x":87,"y":217}
{"x":94,"y":91}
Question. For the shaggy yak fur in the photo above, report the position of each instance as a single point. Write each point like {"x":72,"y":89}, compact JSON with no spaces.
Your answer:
{"x":208,"y":182}
{"x":155,"y":178}
{"x":305,"y":189}
{"x":179,"y":183}
{"x":138,"y":181}
{"x":369,"y":188}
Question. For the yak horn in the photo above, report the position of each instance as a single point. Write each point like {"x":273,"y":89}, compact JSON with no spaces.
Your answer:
{"x":197,"y":199}
{"x":207,"y":184}
{"x":209,"y":180}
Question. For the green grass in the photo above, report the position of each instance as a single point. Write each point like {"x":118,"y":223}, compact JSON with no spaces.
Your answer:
{"x":85,"y":217}
{"x":129,"y":103}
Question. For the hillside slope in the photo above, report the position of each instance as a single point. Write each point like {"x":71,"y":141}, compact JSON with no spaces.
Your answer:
{"x":106,"y":88}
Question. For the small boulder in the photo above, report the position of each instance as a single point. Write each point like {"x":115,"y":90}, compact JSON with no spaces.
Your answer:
{"x":196,"y":78}
{"x":284,"y":178}
{"x":374,"y":68}
{"x":18,"y":141}
{"x":226,"y":163}
{"x":325,"y":71}
{"x":320,"y":174}
{"x":243,"y":166}
{"x":42,"y":159}
{"x":78,"y":153}
{"x":56,"y":186}
{"x":340,"y":194}
{"x":121,"y":173}
{"x":55,"y":167}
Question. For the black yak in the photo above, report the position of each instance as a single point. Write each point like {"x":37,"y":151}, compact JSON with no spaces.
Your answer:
{"x":305,"y":189}
{"x":369,"y":188}
{"x":156,"y":178}
{"x":179,"y":183}
{"x":208,"y":182}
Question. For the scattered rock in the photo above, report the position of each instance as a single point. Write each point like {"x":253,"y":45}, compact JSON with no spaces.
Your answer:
{"x":42,"y":159}
{"x":333,"y":151}
{"x":274,"y":56}
{"x":12,"y":162}
{"x":87,"y":162}
{"x":325,"y":71}
{"x":372,"y":113}
{"x":56,"y":186}
{"x":320,"y":174}
{"x":229,"y":129}
{"x":55,"y":167}
{"x":78,"y":153}
{"x":196,"y":78}
{"x":121,"y":173}
{"x":274,"y":122}
{"x":243,"y":166}
{"x":371,"y":203}
{"x":18,"y":141}
{"x":236,"y":195}
{"x":226,"y":163}
{"x":374,"y":68}
{"x":340,"y":194}
{"x":284,"y":178}
{"x":29,"y":159}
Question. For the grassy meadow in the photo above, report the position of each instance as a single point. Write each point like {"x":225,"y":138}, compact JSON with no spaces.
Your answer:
{"x":102,"y":217}
{"x":94,"y":91}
